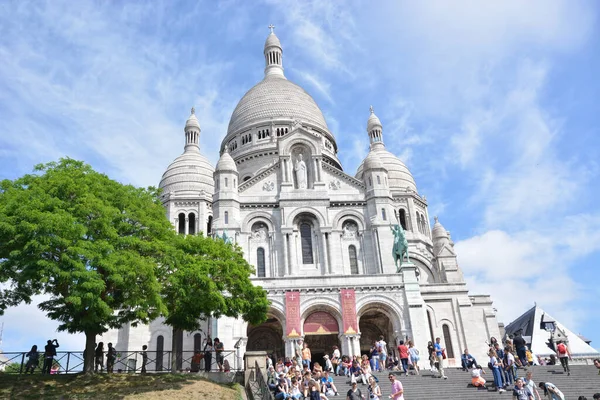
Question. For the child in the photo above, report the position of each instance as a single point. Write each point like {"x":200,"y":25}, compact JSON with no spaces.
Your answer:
{"x":476,"y":378}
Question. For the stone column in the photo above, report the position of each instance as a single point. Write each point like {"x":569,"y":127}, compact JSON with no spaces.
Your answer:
{"x":320,"y":169}
{"x":416,"y":308}
{"x":187,"y":226}
{"x":326,"y":252}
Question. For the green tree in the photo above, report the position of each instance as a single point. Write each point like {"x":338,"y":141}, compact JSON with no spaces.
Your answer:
{"x":207,"y":277}
{"x":93,"y":245}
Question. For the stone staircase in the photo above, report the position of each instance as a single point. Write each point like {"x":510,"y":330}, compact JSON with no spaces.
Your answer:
{"x":584,"y":380}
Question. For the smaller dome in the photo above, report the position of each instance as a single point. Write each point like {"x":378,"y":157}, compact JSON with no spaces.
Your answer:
{"x":272,"y":40}
{"x":191,"y":171}
{"x":372,"y":161}
{"x":438,"y":230}
{"x":399,"y":176}
{"x":192,"y":121}
{"x":373,"y":121}
{"x":226,"y":162}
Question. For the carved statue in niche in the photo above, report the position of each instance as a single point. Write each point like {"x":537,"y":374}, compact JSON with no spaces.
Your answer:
{"x":301,"y":172}
{"x":350,"y":230}
{"x":259,"y":232}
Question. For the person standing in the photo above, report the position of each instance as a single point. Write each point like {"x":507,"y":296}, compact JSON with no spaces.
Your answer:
{"x":382,"y":353}
{"x":439,"y":355}
{"x":496,"y":370}
{"x":521,"y":348}
{"x":374,"y":356}
{"x":564,"y":355}
{"x":208,"y":349}
{"x":49,"y":354}
{"x":431,"y":352}
{"x":219,"y":347}
{"x":144,"y":358}
{"x":99,"y":357}
{"x":306,"y":355}
{"x":414,"y":356}
{"x":111,"y":356}
{"x":530,"y":384}
{"x":298,"y":349}
{"x":34,"y":359}
{"x":374,"y":389}
{"x":335,"y":359}
{"x":397,"y":388}
{"x":403,"y":355}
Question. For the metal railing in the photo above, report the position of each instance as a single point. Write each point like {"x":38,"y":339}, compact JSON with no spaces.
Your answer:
{"x":71,"y":362}
{"x":262,"y":389}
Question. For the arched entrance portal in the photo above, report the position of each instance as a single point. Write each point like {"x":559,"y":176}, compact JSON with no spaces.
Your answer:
{"x":267,"y":337}
{"x":372,"y":325}
{"x":321,"y":334}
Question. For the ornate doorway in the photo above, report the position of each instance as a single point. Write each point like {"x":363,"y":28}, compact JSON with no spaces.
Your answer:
{"x":267,"y":337}
{"x":321,"y":334}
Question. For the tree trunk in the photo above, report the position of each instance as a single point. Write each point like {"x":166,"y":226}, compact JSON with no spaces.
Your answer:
{"x":176,"y":350}
{"x":88,"y":353}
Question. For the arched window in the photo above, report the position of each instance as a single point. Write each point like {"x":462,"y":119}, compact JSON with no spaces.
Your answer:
{"x":181,"y":224}
{"x":448,"y":341}
{"x":425,"y":226}
{"x":306,"y":240}
{"x":209,"y":225}
{"x":197,"y":342}
{"x":246,"y":178}
{"x":353,"y":260}
{"x":419,"y":225}
{"x":192,"y":224}
{"x":370,"y":182}
{"x":160,"y":348}
{"x":378,"y":180}
{"x":226,"y":218}
{"x":260,"y":262}
{"x":403,"y":218}
{"x":383,"y":214}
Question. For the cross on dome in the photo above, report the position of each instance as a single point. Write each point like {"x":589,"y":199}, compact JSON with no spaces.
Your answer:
{"x":193,"y":110}
{"x":371,"y":109}
{"x":271,"y":27}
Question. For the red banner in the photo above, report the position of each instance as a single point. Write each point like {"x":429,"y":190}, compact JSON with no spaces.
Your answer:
{"x":292,"y":314}
{"x":320,"y":323}
{"x":349,"y":311}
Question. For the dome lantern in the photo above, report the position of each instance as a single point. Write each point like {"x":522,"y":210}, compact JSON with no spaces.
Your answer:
{"x":374,"y":129}
{"x":273,"y":55}
{"x":192,"y":132}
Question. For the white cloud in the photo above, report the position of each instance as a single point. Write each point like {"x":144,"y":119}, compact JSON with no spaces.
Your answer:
{"x":318,"y":83}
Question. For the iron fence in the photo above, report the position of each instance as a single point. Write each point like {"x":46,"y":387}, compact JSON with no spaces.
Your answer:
{"x":71,"y":362}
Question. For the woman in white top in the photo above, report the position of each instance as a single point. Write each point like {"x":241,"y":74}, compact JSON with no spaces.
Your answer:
{"x":551,"y":391}
{"x":374,"y":389}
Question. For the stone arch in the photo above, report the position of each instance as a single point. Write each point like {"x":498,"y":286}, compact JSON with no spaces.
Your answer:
{"x":268,"y":336}
{"x":384,"y":305}
{"x":424,"y":268}
{"x":377,"y":318}
{"x":342,"y":216}
{"x":305,"y":210}
{"x":258,"y":216}
{"x":300,"y":141}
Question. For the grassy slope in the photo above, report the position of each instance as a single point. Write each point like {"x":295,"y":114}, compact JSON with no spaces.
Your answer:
{"x":114,"y":386}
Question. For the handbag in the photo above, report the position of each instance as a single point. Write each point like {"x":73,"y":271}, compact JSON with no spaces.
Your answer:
{"x":444,"y":354}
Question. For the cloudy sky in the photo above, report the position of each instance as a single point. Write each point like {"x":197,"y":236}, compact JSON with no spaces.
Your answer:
{"x":493,"y":106}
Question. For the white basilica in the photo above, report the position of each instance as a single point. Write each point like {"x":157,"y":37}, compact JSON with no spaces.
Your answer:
{"x":318,"y":236}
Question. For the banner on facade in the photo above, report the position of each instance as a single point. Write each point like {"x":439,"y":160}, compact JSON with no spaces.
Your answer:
{"x":320,"y":323}
{"x":292,"y":314}
{"x":349,"y":311}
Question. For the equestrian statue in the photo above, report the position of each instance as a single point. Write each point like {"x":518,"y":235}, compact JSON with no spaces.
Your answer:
{"x":400,"y":248}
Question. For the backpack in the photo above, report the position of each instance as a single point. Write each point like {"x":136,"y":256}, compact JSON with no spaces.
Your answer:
{"x":562,"y":349}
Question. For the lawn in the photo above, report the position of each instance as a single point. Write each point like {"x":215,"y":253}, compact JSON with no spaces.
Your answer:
{"x":113,"y":386}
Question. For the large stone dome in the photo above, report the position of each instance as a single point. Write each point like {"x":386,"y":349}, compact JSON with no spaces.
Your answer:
{"x":398,"y":174}
{"x":276,"y":98}
{"x":190,"y":172}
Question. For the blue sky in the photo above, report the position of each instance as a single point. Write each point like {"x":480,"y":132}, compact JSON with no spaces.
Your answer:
{"x":492,"y":105}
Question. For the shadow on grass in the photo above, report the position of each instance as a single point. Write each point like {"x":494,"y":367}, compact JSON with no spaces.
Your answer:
{"x":80,"y":386}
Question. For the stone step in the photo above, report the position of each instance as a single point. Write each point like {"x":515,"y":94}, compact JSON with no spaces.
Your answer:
{"x":584,"y":380}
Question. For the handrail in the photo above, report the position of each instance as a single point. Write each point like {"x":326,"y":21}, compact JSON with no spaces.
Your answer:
{"x":71,"y":362}
{"x":265,"y":393}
